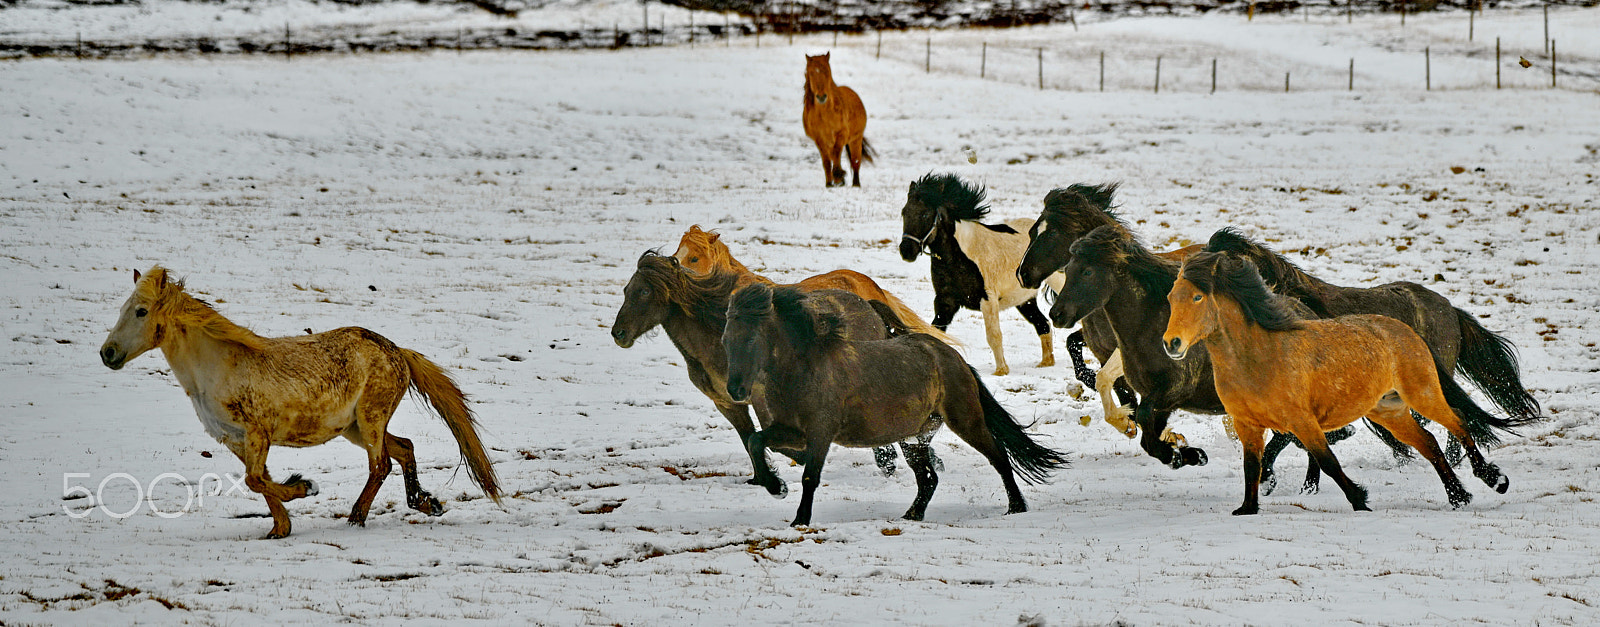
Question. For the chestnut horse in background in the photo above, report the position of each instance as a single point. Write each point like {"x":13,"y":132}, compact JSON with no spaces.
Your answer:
{"x":702,"y":252}
{"x":254,"y":392}
{"x":836,"y":120}
{"x":1276,"y":370}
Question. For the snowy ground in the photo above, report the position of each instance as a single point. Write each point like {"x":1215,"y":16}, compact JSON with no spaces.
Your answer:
{"x":486,"y":209}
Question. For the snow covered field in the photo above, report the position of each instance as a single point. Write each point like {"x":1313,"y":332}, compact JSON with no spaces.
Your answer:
{"x":486,"y":209}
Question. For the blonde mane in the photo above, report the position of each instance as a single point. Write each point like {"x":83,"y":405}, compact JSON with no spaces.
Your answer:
{"x":171,"y":303}
{"x":708,"y":254}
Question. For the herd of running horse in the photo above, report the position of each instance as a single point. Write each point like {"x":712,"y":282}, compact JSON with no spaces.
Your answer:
{"x":1229,"y":327}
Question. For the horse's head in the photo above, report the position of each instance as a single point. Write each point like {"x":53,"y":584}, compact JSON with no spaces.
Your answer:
{"x":1091,"y":276}
{"x":1069,"y":214}
{"x":933,"y":204}
{"x":1215,"y":288}
{"x":646,"y":300}
{"x":1192,"y":313}
{"x":819,"y":77}
{"x":142,"y":325}
{"x":744,"y":339}
{"x":701,"y":251}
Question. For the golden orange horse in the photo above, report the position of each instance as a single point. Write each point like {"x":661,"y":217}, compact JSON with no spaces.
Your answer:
{"x":253,"y":392}
{"x":703,"y":252}
{"x":836,"y":120}
{"x":1274,"y":370}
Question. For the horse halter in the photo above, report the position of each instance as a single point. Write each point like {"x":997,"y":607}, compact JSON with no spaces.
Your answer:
{"x":922,"y":242}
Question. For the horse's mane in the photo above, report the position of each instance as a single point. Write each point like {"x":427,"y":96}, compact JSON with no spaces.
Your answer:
{"x":807,"y":329}
{"x":1238,"y":279}
{"x":172,"y":303}
{"x":948,"y":193}
{"x":1281,"y":274}
{"x":1081,"y":208}
{"x":1115,"y":245}
{"x":711,"y":243}
{"x":704,"y":297}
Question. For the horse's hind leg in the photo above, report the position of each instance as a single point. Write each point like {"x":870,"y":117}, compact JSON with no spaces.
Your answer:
{"x":1269,"y":458}
{"x":254,"y":455}
{"x":920,"y":458}
{"x":399,"y":449}
{"x":965,"y":417}
{"x":853,"y":151}
{"x":1041,"y":325}
{"x":1399,"y":423}
{"x":1431,"y":404}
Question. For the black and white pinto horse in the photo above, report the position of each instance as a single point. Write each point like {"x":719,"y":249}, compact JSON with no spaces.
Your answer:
{"x":973,"y":264}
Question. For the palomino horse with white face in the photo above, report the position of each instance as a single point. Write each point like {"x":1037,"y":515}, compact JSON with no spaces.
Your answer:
{"x":974,"y":265}
{"x":836,"y":120}
{"x":1277,"y":371}
{"x":254,"y":392}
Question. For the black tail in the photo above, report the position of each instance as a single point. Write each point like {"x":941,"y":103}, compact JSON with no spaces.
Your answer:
{"x":1490,"y":362}
{"x":867,"y":153}
{"x":1032,"y":461}
{"x":1481,"y":425}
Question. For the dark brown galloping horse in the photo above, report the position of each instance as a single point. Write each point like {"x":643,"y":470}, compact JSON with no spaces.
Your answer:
{"x":836,"y":120}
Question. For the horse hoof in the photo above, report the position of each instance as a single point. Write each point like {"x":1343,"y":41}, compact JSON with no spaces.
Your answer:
{"x":1193,"y":456}
{"x":780,"y":492}
{"x":275,"y":535}
{"x":1362,"y":508}
{"x":913,"y":514}
{"x":1048,"y":362}
{"x":1310,"y":488}
{"x":1502,"y":485}
{"x":1002,"y":371}
{"x":311,"y":488}
{"x":426,"y":504}
{"x":1246,"y":510}
{"x":1269,"y":482}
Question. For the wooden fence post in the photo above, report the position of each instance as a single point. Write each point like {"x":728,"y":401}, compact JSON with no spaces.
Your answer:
{"x":1352,"y":74}
{"x":1041,"y":69}
{"x":1497,"y":63}
{"x":879,"y":53}
{"x":983,"y":61}
{"x":1552,"y":64}
{"x":1102,"y":70}
{"x":927,"y":61}
{"x":1158,"y":74}
{"x":1427,"y":68}
{"x":288,"y":48}
{"x":1213,"y":75}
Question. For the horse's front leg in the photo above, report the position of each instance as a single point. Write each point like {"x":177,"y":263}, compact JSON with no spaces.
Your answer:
{"x":816,"y":454}
{"x":253,"y":452}
{"x":1041,"y":325}
{"x":991,"y":331}
{"x":1116,"y":414}
{"x":1153,"y":424}
{"x":828,"y":164}
{"x":838,"y":165}
{"x":1250,"y":438}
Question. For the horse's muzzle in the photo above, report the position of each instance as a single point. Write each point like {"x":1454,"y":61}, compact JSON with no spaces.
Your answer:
{"x":1175,"y":349}
{"x":621,"y":338}
{"x":909,"y":248}
{"x":112,"y":358}
{"x":739,"y":391}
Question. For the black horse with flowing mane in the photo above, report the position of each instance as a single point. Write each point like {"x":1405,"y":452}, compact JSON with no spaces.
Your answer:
{"x":821,"y":388}
{"x":973,"y":264}
{"x":693,"y":310}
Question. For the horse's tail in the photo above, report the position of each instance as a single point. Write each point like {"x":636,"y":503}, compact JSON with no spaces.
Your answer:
{"x":1032,"y":461}
{"x":1490,"y":362}
{"x":435,"y":385}
{"x":867,"y":153}
{"x":908,"y":320}
{"x":1483,"y":426}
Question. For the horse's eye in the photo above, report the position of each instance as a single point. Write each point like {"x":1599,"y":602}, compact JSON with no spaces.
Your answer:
{"x":141,"y":312}
{"x":694,"y":260}
{"x":645,"y":292}
{"x":1199,"y":297}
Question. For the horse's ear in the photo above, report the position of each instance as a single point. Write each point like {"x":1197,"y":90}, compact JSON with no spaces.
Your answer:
{"x":715,"y":236}
{"x":694,"y":228}
{"x":136,"y":276}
